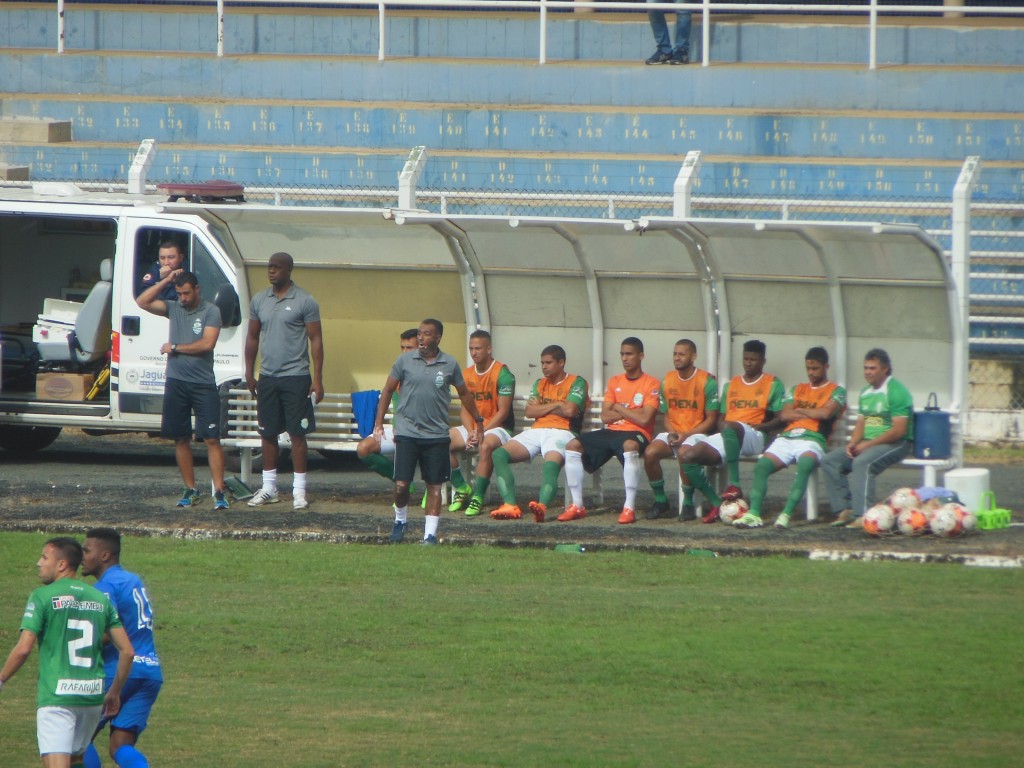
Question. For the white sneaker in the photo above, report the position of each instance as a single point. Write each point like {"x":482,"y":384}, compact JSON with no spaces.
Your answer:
{"x":782,"y":521}
{"x":299,"y":502}
{"x":263,"y":496}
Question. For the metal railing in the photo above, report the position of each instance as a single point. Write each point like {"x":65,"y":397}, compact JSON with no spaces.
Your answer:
{"x":871,"y":10}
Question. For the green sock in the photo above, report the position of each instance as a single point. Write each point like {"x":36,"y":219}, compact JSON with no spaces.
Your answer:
{"x":687,"y":495}
{"x":503,"y":474}
{"x":731,"y":441}
{"x":549,"y":484}
{"x":458,"y":481}
{"x":658,"y":486}
{"x":480,"y":489}
{"x":762,"y":470}
{"x":699,"y":481}
{"x":804,"y":467}
{"x":382,"y":465}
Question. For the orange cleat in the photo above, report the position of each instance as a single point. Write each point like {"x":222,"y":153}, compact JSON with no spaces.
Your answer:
{"x":507,"y":512}
{"x":628,"y":516}
{"x":572,"y":512}
{"x":539,"y":511}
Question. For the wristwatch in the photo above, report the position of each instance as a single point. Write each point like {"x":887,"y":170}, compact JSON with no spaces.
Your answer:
{"x":479,"y":419}
{"x":174,"y":347}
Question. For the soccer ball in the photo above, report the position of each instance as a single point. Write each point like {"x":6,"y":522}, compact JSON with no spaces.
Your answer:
{"x":732,"y":510}
{"x":947,"y":520}
{"x":879,"y":520}
{"x":912,"y":522}
{"x":968,"y":520}
{"x":904,"y":498}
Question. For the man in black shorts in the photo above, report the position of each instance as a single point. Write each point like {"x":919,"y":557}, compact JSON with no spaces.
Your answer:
{"x":421,"y":423}
{"x":285,"y":321}
{"x":190,"y":387}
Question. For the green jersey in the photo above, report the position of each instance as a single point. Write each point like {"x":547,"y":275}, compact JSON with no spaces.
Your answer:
{"x":68,"y":618}
{"x":878,"y":406}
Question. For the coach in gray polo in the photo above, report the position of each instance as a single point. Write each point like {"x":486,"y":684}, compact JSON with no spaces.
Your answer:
{"x":421,"y":424}
{"x":284,"y":325}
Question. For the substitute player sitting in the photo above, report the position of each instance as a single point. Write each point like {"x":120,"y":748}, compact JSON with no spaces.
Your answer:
{"x":809,"y":413}
{"x":557,"y":404}
{"x":493,"y":386}
{"x":629,"y":409}
{"x":749,"y":411}
{"x":689,"y":401}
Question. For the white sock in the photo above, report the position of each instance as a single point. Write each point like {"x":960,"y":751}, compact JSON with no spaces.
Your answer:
{"x":574,"y":476}
{"x":269,"y":480}
{"x":299,"y":484}
{"x":631,"y":476}
{"x":402,"y":514}
{"x":430,"y":525}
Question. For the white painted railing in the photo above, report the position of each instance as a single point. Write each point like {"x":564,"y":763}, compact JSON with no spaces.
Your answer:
{"x":870,"y":10}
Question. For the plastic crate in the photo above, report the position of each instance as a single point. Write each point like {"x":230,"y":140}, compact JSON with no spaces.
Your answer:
{"x":991,"y":517}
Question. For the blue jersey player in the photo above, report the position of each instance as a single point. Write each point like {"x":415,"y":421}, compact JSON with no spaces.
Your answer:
{"x":102,"y":559}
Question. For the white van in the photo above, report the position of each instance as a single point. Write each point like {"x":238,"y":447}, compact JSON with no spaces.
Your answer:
{"x":76,"y":349}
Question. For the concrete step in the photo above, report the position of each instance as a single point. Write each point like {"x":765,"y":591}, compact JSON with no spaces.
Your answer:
{"x":34,"y":129}
{"x":13,"y":172}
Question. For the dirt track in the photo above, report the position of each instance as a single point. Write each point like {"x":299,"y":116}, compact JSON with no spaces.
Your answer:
{"x":130,"y":481}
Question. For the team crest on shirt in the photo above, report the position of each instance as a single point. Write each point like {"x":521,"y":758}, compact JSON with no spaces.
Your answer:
{"x":197,"y":327}
{"x":439,"y":380}
{"x":638,"y":399}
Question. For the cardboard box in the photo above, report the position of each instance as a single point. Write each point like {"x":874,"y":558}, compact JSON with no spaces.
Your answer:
{"x":63,"y":386}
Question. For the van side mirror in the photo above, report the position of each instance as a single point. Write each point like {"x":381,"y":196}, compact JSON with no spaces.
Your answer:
{"x":226,"y":300}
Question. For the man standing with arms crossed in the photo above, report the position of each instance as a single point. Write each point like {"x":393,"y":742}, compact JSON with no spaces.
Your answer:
{"x":426,"y":376}
{"x":190,"y":386}
{"x":629,"y":408}
{"x":69,"y":618}
{"x":808,"y":413}
{"x":689,"y":400}
{"x":285,"y":323}
{"x":493,"y":386}
{"x":101,"y":558}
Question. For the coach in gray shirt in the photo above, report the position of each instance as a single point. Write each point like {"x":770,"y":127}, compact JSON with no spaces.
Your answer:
{"x":190,"y":387}
{"x":284,"y":326}
{"x":421,"y":423}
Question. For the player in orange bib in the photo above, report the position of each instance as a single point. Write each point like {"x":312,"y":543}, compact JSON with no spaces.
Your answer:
{"x":749,"y":411}
{"x":629,"y":408}
{"x":808,"y":412}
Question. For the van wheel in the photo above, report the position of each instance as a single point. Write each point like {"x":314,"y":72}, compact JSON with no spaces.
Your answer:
{"x":233,"y":456}
{"x":27,"y":439}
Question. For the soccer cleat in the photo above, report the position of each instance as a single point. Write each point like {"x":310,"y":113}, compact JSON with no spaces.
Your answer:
{"x":189,"y":497}
{"x":397,"y":532}
{"x":627,"y":516}
{"x":856,"y":522}
{"x":732,"y":493}
{"x":429,"y":541}
{"x":657,"y":510}
{"x":507,"y":512}
{"x":299,"y":502}
{"x":539,"y":510}
{"x":843,"y":519}
{"x":219,"y":500}
{"x":572,"y":512}
{"x":461,"y":499}
{"x":711,"y":517}
{"x":749,"y":520}
{"x":475,"y":506}
{"x":782,"y":521}
{"x":680,"y":57}
{"x":263,"y":496}
{"x":688,"y":512}
{"x":659,"y":58}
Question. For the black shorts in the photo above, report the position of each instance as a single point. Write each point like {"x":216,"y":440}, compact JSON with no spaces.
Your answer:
{"x":283,"y":404}
{"x":430,"y":454}
{"x":601,"y":445}
{"x":181,"y":400}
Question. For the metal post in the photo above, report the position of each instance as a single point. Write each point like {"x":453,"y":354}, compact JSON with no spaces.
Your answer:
{"x":140,"y":167}
{"x":409,"y":176}
{"x":220,"y":29}
{"x":60,"y":26}
{"x":543,"y":32}
{"x":381,"y":30}
{"x":960,"y":267}
{"x":873,"y":36}
{"x":683,"y":186}
{"x":705,"y":34}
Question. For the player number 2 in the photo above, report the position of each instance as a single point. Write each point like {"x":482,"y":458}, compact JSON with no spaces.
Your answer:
{"x":84,"y":642}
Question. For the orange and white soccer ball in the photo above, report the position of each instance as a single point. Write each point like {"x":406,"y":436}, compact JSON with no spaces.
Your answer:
{"x":904,"y":498}
{"x":948,"y":520}
{"x":732,"y":510}
{"x":879,"y":520}
{"x":912,"y":522}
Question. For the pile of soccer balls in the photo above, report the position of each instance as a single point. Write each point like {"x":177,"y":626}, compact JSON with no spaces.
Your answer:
{"x":904,"y":512}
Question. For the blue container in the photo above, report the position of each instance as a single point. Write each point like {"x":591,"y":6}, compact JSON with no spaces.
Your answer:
{"x":931,"y":431}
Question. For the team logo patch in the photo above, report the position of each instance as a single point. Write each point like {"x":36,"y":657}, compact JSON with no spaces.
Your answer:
{"x":197,"y":327}
{"x":638,"y":399}
{"x":439,"y":380}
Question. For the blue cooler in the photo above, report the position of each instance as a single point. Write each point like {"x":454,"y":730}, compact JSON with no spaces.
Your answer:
{"x":931,"y":431}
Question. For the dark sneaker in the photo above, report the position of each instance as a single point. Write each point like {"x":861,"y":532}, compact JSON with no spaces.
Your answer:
{"x":711,"y":517}
{"x":843,"y":519}
{"x":689,"y":512}
{"x":680,"y":57}
{"x":430,"y":541}
{"x":397,"y":532}
{"x":657,"y":510}
{"x":659,"y":58}
{"x":219,"y":502}
{"x":189,"y":497}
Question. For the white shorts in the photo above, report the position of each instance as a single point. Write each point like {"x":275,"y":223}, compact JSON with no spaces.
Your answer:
{"x":66,"y":730}
{"x":499,"y":432}
{"x":752,"y":445}
{"x":387,"y":443}
{"x":789,"y":449}
{"x":691,"y":440}
{"x":544,"y":440}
